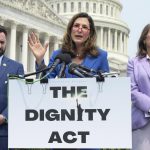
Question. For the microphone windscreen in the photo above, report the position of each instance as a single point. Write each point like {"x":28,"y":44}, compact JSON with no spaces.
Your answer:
{"x":72,"y":66}
{"x":73,"y":70}
{"x":64,"y":58}
{"x":59,"y":56}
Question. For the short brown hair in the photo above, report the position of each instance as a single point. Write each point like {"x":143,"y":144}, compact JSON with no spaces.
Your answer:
{"x":2,"y":29}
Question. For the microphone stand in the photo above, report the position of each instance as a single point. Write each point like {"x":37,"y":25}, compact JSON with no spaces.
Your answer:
{"x":62,"y":71}
{"x":37,"y":72}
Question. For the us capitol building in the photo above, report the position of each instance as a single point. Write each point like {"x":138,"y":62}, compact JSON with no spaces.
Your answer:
{"x":49,"y":18}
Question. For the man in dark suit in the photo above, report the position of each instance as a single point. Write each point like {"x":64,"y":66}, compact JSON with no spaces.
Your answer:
{"x":7,"y":66}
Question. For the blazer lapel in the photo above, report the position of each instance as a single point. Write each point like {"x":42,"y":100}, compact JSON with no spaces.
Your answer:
{"x":88,"y":62}
{"x":146,"y":65}
{"x":3,"y":67}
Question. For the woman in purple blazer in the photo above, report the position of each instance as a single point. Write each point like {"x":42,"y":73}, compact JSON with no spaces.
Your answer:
{"x":139,"y":71}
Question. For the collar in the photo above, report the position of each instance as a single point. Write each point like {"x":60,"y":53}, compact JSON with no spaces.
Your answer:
{"x":148,"y":57}
{"x":1,"y":57}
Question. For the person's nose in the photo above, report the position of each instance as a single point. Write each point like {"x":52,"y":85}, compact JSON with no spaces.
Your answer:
{"x":80,"y":29}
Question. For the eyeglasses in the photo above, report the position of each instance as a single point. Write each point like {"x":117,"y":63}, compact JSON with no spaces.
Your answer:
{"x":84,"y":28}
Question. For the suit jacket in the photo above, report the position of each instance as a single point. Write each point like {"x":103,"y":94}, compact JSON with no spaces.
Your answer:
{"x":139,"y":71}
{"x":97,"y":63}
{"x":7,"y":67}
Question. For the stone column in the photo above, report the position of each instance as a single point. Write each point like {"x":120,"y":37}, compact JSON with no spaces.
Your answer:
{"x":116,"y":41}
{"x":109,"y":39}
{"x":105,"y":39}
{"x":76,"y":7}
{"x":61,"y":7}
{"x":56,"y":44}
{"x":104,"y":9}
{"x":115,"y":12}
{"x":123,"y":43}
{"x":98,"y":37}
{"x":68,"y":7}
{"x":53,"y":44}
{"x":126,"y":44}
{"x":101,"y":42}
{"x":25,"y":48}
{"x":91,"y":7}
{"x":2,"y":20}
{"x":120,"y":42}
{"x":98,"y":8}
{"x":83,"y":6}
{"x":109,"y":10}
{"x":13,"y":41}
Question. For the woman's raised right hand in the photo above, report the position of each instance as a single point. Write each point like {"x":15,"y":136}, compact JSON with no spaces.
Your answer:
{"x":36,"y":47}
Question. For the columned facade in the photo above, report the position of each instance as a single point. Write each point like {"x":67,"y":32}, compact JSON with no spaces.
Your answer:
{"x":48,"y":19}
{"x":112,"y":40}
{"x":44,"y":22}
{"x":112,"y":32}
{"x":13,"y":40}
{"x":25,"y":47}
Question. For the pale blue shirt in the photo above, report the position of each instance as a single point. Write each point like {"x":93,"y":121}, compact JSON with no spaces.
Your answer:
{"x":147,"y":56}
{"x":1,"y":59}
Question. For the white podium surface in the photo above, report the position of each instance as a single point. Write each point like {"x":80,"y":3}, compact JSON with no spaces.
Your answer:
{"x":70,"y":113}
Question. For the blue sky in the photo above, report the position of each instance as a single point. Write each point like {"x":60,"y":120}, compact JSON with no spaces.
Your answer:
{"x":136,"y":13}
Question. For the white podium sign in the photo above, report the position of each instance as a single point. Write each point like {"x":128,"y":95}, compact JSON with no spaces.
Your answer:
{"x":70,"y":113}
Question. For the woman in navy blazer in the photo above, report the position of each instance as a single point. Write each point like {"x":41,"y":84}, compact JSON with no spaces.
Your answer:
{"x":79,"y":41}
{"x":139,"y":71}
{"x":98,"y":63}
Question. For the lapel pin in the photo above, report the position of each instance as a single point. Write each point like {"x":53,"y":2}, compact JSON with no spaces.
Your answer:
{"x":4,"y":65}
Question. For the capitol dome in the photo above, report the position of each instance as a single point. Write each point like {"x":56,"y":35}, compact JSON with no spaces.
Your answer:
{"x":48,"y":18}
{"x":112,"y":32}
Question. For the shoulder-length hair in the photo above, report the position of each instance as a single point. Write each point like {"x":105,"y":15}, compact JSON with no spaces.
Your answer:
{"x":89,"y":46}
{"x":142,"y":50}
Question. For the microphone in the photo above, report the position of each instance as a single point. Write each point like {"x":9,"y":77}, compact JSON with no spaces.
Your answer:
{"x":66,"y":61}
{"x":87,"y":69}
{"x":43,"y":73}
{"x":110,"y":74}
{"x":62,"y":70}
{"x":85,"y":73}
{"x":73,"y":70}
{"x":58,"y":59}
{"x":80,"y":69}
{"x":14,"y":76}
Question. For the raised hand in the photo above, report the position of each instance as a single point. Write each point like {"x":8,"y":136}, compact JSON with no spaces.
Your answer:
{"x":36,"y":47}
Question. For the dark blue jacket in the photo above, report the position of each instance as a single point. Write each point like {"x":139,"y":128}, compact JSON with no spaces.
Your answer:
{"x":7,"y":67}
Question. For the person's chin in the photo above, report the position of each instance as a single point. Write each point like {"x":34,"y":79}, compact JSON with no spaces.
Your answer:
{"x":78,"y":41}
{"x":2,"y":53}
